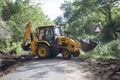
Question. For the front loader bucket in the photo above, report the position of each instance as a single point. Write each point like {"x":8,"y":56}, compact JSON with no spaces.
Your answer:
{"x":88,"y":45}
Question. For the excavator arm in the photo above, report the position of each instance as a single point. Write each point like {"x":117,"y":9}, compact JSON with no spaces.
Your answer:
{"x":29,"y":33}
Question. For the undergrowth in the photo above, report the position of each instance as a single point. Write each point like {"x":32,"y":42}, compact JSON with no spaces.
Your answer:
{"x":109,"y":50}
{"x":7,"y":46}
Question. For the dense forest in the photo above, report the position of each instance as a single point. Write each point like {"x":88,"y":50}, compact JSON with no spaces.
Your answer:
{"x":79,"y":20}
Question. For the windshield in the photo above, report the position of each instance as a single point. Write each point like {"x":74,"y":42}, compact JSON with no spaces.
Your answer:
{"x":57,"y":31}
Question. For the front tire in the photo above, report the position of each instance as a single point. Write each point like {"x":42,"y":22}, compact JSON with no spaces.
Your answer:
{"x":66,"y":54}
{"x":76,"y":53}
{"x":43,"y":51}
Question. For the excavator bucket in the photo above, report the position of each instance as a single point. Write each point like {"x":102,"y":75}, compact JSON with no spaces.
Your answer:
{"x":88,"y":45}
{"x":26,"y":47}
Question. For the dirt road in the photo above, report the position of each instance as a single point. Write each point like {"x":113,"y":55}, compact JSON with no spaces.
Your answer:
{"x":50,"y":69}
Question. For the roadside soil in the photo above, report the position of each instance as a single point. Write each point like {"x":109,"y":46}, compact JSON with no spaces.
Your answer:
{"x":104,"y":69}
{"x":10,"y":61}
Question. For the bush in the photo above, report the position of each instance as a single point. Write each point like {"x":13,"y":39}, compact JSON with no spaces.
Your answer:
{"x":18,"y":49}
{"x":7,"y":45}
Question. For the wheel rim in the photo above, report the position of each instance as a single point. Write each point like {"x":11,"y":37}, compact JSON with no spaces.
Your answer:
{"x":65,"y":54}
{"x":42,"y":51}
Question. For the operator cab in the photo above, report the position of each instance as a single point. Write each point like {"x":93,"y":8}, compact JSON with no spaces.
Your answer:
{"x":48,"y":33}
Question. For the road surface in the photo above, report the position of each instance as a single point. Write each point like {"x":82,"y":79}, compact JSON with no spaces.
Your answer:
{"x":50,"y":69}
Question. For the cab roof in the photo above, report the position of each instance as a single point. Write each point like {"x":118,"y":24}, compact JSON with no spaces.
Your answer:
{"x":47,"y":26}
{"x":44,"y":26}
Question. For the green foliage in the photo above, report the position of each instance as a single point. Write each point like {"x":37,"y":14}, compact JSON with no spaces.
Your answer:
{"x":67,"y":7}
{"x":18,"y":49}
{"x":83,"y":15}
{"x":59,"y":21}
{"x":18,"y":14}
{"x":26,"y":13}
{"x":8,"y":45}
{"x":9,"y":9}
{"x":5,"y":43}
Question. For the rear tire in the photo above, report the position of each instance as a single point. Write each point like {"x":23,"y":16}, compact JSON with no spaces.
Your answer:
{"x":43,"y":51}
{"x":66,"y":54}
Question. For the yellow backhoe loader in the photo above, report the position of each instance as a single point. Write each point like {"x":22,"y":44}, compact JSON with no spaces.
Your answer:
{"x":49,"y":42}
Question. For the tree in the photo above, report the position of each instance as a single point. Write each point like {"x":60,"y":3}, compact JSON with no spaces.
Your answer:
{"x":83,"y":15}
{"x":19,"y":13}
{"x":108,"y":9}
{"x":59,"y":21}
